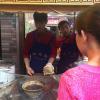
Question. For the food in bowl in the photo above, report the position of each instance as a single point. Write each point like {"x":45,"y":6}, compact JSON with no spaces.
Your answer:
{"x":33,"y":88}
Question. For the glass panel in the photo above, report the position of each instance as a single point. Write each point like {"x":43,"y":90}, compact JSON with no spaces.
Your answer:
{"x":15,"y":88}
{"x":54,"y":18}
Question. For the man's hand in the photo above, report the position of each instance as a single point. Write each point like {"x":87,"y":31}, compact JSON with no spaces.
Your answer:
{"x":30,"y":71}
{"x":48,"y":69}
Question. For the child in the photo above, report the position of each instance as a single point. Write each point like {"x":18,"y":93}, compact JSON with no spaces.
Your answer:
{"x":83,"y":81}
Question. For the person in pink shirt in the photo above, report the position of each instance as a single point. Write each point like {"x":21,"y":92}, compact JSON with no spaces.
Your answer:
{"x":83,"y":82}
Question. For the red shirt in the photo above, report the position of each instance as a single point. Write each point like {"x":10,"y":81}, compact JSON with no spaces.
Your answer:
{"x":68,"y":39}
{"x":43,"y":39}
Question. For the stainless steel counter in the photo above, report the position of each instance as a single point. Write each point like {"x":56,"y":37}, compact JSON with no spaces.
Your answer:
{"x":13,"y":90}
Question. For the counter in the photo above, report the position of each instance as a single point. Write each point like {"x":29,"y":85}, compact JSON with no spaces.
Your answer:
{"x":13,"y":90}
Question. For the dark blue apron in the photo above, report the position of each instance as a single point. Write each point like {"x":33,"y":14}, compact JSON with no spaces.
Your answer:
{"x":40,"y":54}
{"x":69,"y":54}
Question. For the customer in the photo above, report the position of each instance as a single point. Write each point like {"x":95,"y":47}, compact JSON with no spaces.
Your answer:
{"x":83,"y":81}
{"x":67,"y":44}
{"x":39,"y":48}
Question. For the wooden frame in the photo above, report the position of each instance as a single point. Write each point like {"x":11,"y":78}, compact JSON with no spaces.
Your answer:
{"x":50,"y":2}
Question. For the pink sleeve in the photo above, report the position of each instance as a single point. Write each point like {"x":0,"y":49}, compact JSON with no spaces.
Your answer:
{"x":64,"y":92}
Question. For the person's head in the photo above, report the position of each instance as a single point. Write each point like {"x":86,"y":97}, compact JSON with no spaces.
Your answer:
{"x":40,"y":20}
{"x":64,"y":27}
{"x":88,"y":29}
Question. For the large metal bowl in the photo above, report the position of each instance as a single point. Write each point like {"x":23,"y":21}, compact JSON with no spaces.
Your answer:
{"x":33,"y":88}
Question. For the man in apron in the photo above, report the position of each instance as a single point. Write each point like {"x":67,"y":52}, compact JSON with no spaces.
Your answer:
{"x":39,"y":48}
{"x":67,"y":43}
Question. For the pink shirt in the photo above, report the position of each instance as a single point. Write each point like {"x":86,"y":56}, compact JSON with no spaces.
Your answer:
{"x":80,"y":83}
